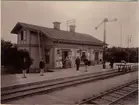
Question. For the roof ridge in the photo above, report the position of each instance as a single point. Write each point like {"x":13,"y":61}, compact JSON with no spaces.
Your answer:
{"x":58,"y":34}
{"x":58,"y":30}
{"x":53,"y":28}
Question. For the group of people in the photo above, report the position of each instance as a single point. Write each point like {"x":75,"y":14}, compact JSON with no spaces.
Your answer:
{"x":64,"y":63}
{"x":67,"y":63}
{"x":41,"y":66}
{"x":77,"y":61}
{"x":86,"y":62}
{"x":59,"y":64}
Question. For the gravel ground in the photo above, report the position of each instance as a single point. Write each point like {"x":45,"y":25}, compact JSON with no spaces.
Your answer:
{"x":77,"y":93}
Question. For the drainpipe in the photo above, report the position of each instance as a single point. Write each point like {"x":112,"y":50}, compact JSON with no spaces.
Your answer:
{"x":43,"y":47}
{"x":39,"y":46}
{"x":30,"y":44}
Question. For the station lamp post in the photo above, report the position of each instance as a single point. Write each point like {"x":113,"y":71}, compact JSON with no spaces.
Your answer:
{"x":104,"y":38}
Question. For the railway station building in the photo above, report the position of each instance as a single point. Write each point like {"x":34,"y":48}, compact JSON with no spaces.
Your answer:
{"x":54,"y":44}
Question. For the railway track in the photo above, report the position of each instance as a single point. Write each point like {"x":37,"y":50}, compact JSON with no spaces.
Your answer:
{"x":17,"y":92}
{"x":111,"y":97}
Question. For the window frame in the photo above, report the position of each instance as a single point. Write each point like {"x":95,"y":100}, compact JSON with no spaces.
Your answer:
{"x":47,"y":54}
{"x":23,"y":35}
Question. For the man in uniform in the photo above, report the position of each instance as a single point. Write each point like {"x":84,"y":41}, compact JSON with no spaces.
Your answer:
{"x":77,"y":61}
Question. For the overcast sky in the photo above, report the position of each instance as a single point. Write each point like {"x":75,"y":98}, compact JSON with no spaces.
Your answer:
{"x":87,"y":15}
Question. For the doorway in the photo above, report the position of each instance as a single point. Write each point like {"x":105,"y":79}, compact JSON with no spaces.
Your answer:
{"x":83,"y":56}
{"x":64,"y":54}
{"x":47,"y":56}
{"x":97,"y":57}
{"x":64,"y":60}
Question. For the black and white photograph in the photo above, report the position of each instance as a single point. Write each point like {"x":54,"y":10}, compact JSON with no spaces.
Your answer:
{"x":69,"y":52}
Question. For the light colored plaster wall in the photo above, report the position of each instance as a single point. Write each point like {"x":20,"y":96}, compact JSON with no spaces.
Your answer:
{"x":26,"y":34}
{"x":28,"y":37}
{"x":92,"y":55}
{"x":34,"y":38}
{"x":73,"y":48}
{"x":100,"y":55}
{"x":35,"y":56}
{"x":56,"y":57}
{"x":50,"y":65}
{"x":73,"y":56}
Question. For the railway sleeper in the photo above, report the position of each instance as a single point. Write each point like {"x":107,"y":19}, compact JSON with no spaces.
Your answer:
{"x":120,"y":92}
{"x":100,"y":101}
{"x":110,"y":98}
{"x":114,"y":95}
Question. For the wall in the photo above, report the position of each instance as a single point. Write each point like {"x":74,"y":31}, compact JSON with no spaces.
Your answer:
{"x":92,"y":55}
{"x":74,"y":54}
{"x":24,"y":44}
{"x":35,"y":56}
{"x":101,"y":55}
{"x":34,"y":50}
{"x":27,"y":35}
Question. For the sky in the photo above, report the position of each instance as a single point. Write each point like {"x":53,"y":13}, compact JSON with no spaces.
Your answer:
{"x":88,"y":15}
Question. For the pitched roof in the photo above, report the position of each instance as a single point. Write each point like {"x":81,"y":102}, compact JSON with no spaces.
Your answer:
{"x":59,"y":34}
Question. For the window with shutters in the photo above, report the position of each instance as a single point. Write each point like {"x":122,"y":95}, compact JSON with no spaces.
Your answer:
{"x":47,"y":56}
{"x":23,"y":35}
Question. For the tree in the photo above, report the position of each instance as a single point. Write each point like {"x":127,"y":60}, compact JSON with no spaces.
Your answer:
{"x":119,"y":54}
{"x":13,"y":57}
{"x":6,"y":44}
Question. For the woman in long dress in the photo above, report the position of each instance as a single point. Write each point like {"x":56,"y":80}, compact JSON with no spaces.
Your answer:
{"x":60,"y":64}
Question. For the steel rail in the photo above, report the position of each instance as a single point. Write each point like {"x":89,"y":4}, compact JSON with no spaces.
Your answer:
{"x":107,"y":93}
{"x":49,"y":87}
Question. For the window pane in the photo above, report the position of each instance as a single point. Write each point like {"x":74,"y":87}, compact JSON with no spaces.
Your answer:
{"x":47,"y":56}
{"x":22,"y":35}
{"x":25,"y":35}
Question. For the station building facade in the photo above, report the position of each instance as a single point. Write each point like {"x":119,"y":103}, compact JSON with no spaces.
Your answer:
{"x":53,"y":44}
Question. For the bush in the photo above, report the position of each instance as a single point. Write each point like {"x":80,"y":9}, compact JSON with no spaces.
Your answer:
{"x":18,"y":64}
{"x":14,"y":58}
{"x":122,"y":54}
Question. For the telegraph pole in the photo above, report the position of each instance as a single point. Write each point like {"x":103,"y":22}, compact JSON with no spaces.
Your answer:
{"x":104,"y":46}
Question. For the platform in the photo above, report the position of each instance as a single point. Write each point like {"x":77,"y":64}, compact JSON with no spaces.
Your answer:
{"x":16,"y":79}
{"x":74,"y":94}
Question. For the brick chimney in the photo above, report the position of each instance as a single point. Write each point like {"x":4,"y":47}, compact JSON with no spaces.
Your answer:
{"x":56,"y":25}
{"x":72,"y":28}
